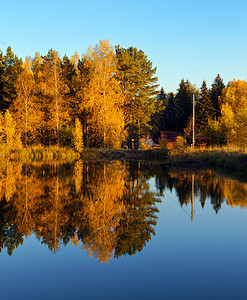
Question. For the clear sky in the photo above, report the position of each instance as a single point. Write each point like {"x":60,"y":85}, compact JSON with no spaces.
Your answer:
{"x":190,"y":39}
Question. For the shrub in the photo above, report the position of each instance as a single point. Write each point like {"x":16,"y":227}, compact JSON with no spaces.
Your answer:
{"x":180,"y":142}
{"x":163,"y":142}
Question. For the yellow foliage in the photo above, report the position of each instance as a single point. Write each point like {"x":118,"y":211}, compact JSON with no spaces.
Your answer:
{"x":103,"y":97}
{"x":104,"y":211}
{"x":78,"y":175}
{"x":180,"y":142}
{"x":12,"y":137}
{"x":234,"y":112}
{"x":25,"y":108}
{"x":78,"y":135}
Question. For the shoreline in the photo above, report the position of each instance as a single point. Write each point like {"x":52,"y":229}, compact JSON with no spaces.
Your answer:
{"x":226,"y":158}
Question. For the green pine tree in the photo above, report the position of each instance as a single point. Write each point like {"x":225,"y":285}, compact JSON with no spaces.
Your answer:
{"x":183,"y":102}
{"x":216,"y":92}
{"x":12,"y":66}
{"x":2,"y":69}
{"x":139,"y":84}
{"x":204,"y":109}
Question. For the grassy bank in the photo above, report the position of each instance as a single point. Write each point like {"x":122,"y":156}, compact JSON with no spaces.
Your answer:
{"x":39,"y":153}
{"x":230,"y":158}
{"x":102,"y":154}
{"x":234,"y":159}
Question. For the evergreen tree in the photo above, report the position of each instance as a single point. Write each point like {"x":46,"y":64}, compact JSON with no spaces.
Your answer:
{"x":2,"y":70}
{"x":183,"y":101}
{"x":169,"y":115}
{"x":36,"y":66}
{"x":68,"y":70}
{"x":204,"y":109}
{"x":12,"y":66}
{"x":161,"y":104}
{"x":216,"y":92}
{"x":136,"y":76}
{"x":162,"y":96}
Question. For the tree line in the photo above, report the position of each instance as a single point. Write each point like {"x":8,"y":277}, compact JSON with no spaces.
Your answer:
{"x":101,"y":99}
{"x":220,"y":111}
{"x":109,"y":98}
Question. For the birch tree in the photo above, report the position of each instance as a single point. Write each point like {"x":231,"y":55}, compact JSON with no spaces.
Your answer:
{"x":53,"y":89}
{"x":25,"y":108}
{"x":104,"y":96}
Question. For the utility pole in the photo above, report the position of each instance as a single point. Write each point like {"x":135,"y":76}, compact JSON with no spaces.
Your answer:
{"x":193,"y":123}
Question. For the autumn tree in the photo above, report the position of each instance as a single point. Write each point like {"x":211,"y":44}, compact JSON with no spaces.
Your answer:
{"x":52,"y":87}
{"x":25,"y":107}
{"x":234,"y":113}
{"x":12,"y":137}
{"x":80,"y":82}
{"x":78,"y":135}
{"x":139,"y":85}
{"x":104,"y":97}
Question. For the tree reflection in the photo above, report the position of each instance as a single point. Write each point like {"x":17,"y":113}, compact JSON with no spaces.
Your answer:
{"x":106,"y":208}
{"x":140,"y":215}
{"x":208,"y":186}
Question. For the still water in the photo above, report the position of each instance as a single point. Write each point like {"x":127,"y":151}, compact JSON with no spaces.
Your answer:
{"x":121,"y":231}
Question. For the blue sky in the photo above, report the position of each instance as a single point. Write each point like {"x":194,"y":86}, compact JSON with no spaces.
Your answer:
{"x":190,"y":39}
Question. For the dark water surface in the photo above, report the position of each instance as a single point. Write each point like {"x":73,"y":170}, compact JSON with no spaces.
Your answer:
{"x":121,"y":231}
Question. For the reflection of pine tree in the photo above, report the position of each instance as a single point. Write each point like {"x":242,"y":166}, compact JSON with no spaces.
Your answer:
{"x":208,"y":185}
{"x":10,"y":236}
{"x":139,"y":218}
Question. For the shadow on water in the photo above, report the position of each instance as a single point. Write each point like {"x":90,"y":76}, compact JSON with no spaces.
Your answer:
{"x":105,"y":207}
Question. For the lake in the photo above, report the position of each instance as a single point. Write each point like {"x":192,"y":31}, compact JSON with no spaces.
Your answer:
{"x":115,"y":230}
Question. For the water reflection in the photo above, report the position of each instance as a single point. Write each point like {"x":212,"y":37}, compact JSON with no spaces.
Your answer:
{"x":106,"y":208}
{"x":205,"y":185}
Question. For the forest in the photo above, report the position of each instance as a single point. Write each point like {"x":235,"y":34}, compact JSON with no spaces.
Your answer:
{"x":109,"y":98}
